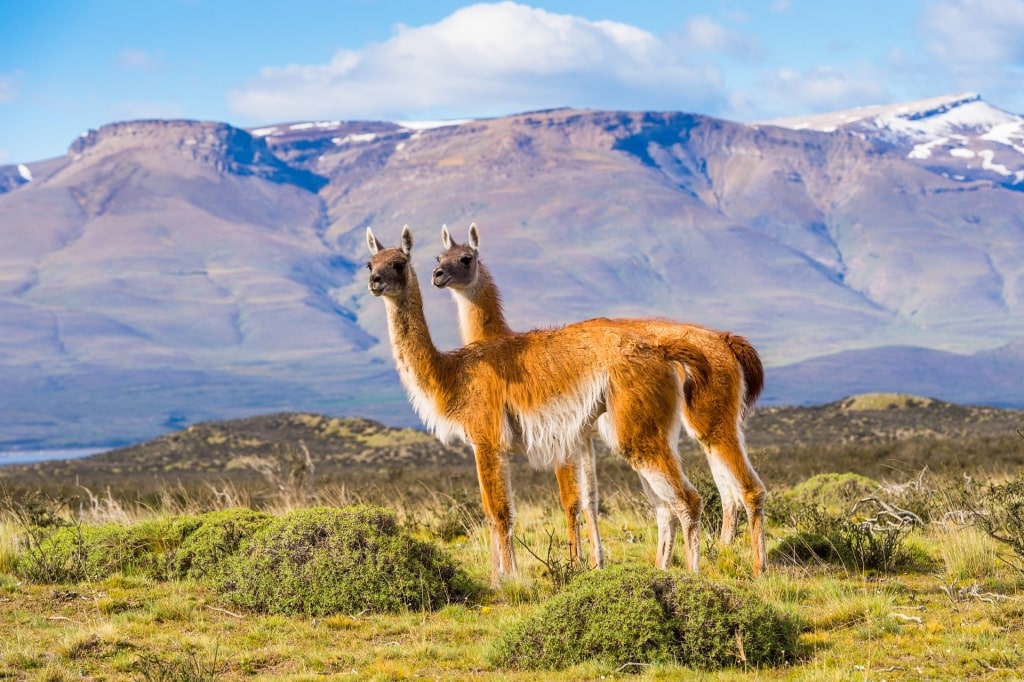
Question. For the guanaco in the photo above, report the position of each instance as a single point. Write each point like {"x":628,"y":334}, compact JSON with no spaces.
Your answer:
{"x":543,"y":392}
{"x":713,"y":414}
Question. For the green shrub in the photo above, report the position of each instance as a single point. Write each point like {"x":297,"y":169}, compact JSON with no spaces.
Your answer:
{"x":169,"y":547}
{"x":998,"y":510}
{"x":94,"y":552}
{"x":803,"y":548}
{"x":640,"y":615}
{"x":217,"y":537}
{"x":834,"y":494}
{"x":856,"y":539}
{"x":321,"y":561}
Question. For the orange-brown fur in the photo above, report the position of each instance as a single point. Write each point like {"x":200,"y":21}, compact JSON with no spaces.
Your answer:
{"x":713,"y":414}
{"x":542,"y":391}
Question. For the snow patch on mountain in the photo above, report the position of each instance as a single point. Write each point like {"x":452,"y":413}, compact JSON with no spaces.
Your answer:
{"x":428,"y":125}
{"x":357,"y":137}
{"x":924,"y":121}
{"x":960,"y":133}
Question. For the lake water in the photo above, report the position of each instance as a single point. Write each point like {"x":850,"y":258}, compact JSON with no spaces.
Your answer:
{"x":32,"y":456}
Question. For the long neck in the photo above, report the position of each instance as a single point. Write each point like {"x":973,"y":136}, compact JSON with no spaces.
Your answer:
{"x":420,"y":364}
{"x":480,"y":314}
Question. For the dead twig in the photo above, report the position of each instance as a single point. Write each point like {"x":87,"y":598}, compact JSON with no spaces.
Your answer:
{"x":903,"y":616}
{"x":225,"y":611}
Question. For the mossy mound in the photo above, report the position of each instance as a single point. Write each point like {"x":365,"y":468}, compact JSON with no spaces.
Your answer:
{"x":883,"y":401}
{"x":322,"y":561}
{"x":834,"y":493}
{"x":220,"y":533}
{"x":641,"y":615}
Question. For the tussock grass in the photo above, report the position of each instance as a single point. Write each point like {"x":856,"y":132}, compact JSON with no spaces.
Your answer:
{"x":968,"y":554}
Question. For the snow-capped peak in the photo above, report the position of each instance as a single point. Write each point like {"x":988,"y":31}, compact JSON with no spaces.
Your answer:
{"x":911,"y":122}
{"x":960,"y":136}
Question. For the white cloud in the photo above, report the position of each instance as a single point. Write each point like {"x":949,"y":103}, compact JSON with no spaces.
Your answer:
{"x":822,"y":89}
{"x":704,"y":34}
{"x":10,"y":87}
{"x":139,"y":60}
{"x":488,"y":59}
{"x":976,"y":31}
{"x":976,"y":45}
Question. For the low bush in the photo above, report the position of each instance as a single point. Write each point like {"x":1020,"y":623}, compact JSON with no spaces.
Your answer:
{"x":77,"y":552}
{"x":871,"y":536}
{"x":833,"y":494}
{"x":322,"y":560}
{"x":998,"y":510}
{"x":640,"y":615}
{"x":202,"y":552}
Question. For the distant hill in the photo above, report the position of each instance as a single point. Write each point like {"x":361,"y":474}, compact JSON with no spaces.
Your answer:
{"x":166,"y":273}
{"x":992,"y":378}
{"x":880,"y":435}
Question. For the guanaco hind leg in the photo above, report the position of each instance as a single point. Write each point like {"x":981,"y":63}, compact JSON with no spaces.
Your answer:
{"x":730,"y":491}
{"x":733,"y":474}
{"x":676,"y":500}
{"x":587,"y":472}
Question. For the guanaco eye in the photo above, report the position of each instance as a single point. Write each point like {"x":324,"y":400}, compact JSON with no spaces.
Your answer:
{"x":466,"y":260}
{"x":368,"y":266}
{"x":399,"y":267}
{"x":438,"y":259}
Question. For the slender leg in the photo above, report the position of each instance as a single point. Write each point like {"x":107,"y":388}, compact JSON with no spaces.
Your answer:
{"x":588,"y":499}
{"x":496,"y":497}
{"x":729,"y":461}
{"x":569,"y":493}
{"x":675,"y":494}
{"x":668,"y":525}
{"x":731,"y":493}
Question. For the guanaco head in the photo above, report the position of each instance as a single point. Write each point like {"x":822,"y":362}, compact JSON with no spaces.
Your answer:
{"x":389,"y":266}
{"x":457,"y":265}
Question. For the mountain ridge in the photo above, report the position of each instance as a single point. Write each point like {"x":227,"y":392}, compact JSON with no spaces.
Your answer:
{"x":195,"y":249}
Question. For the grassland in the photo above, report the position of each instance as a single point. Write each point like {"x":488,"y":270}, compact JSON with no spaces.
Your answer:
{"x":949,"y":607}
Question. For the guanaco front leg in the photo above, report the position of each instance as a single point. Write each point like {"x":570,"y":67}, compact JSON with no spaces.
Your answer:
{"x":569,"y":494}
{"x":496,"y":497}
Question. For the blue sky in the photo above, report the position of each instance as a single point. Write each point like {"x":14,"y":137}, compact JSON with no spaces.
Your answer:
{"x":67,"y":66}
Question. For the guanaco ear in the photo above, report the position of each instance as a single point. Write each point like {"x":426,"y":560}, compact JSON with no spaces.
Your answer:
{"x":474,"y":237}
{"x":372,"y":242}
{"x":406,"y":240}
{"x":446,"y":238}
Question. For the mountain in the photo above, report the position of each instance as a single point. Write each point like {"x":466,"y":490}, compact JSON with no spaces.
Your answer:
{"x":164,"y":273}
{"x":959,"y":136}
